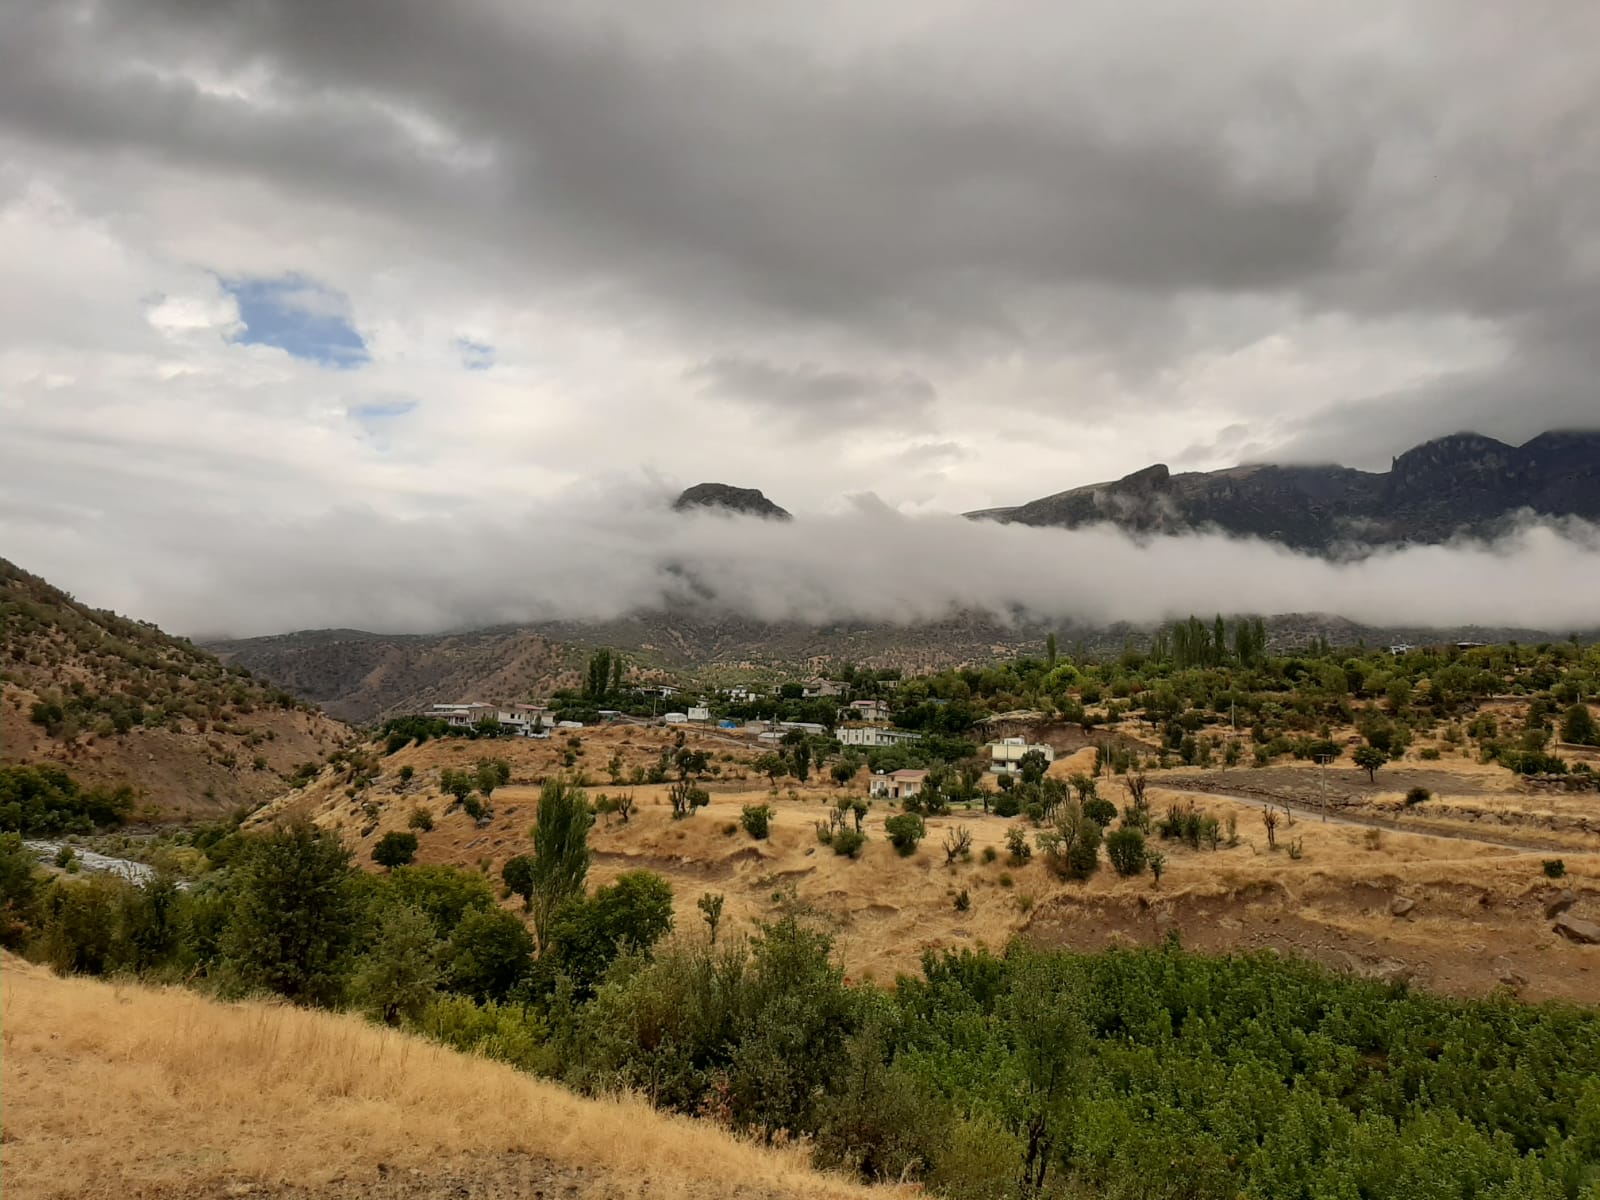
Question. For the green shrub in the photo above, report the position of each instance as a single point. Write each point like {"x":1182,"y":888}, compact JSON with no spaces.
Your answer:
{"x":1017,"y":844}
{"x":1417,"y":795}
{"x":395,"y":849}
{"x":1126,"y":850}
{"x":1554,"y":868}
{"x":905,"y":830}
{"x":757,"y":820}
{"x":848,"y":842}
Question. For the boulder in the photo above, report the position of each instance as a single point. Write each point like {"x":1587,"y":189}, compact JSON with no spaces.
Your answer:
{"x":1560,"y":904}
{"x":1401,"y":906}
{"x":1505,"y":971}
{"x":1574,"y":930}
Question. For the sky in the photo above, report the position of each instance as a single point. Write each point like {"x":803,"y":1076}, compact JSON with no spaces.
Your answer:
{"x":394,"y":314}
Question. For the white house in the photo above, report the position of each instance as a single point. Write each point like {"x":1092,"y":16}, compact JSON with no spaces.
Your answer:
{"x":741,"y":693}
{"x":463,"y":716}
{"x":1005,"y":756}
{"x":875,"y":737}
{"x":525,"y":719}
{"x":897,"y":785}
{"x":675,"y":718}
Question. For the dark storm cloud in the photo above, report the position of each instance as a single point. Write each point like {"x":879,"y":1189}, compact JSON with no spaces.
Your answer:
{"x":912,"y":188}
{"x":896,"y":190}
{"x":815,"y":396}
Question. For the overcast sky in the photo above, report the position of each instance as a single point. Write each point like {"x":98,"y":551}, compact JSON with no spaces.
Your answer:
{"x":275,"y":271}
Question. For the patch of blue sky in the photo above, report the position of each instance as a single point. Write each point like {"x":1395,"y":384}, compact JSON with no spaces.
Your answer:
{"x":475,"y":356}
{"x":299,"y":316}
{"x":382,"y":410}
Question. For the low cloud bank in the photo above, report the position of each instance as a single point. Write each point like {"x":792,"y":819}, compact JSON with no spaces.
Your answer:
{"x":589,"y":559}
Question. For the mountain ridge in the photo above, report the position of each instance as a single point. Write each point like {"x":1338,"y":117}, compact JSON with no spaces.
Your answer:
{"x":1460,"y":484}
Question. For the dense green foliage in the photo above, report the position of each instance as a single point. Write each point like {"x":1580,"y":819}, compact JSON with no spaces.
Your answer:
{"x":43,"y":800}
{"x":1129,"y":1073}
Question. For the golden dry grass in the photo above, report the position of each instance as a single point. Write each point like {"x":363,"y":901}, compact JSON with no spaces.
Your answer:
{"x":885,"y":911}
{"x":112,"y":1091}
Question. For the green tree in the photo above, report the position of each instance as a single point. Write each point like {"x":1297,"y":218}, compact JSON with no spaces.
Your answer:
{"x":800,"y":759}
{"x":519,"y":874}
{"x":1126,"y":850}
{"x":446,"y":894}
{"x":19,"y":891}
{"x":633,"y":913}
{"x":1578,"y":726}
{"x":598,"y":679}
{"x":769,"y":764}
{"x":489,"y":774}
{"x":456,"y":783}
{"x":400,"y":972}
{"x":395,"y":849}
{"x":1032,"y":766}
{"x":489,"y":955}
{"x":1369,"y":758}
{"x":685,"y":798}
{"x":560,"y":851}
{"x":905,"y":830}
{"x":711,"y":905}
{"x":293,"y":915}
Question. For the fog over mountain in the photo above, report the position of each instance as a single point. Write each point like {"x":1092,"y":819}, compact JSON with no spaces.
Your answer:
{"x":593,"y":559}
{"x":387,"y":313}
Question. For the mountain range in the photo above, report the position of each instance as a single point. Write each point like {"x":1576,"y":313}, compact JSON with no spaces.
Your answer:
{"x":1464,"y":484}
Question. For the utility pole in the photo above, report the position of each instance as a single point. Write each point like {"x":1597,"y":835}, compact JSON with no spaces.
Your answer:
{"x":1322,"y":783}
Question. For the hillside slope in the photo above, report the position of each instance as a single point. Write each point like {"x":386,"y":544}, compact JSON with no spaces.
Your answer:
{"x":362,"y":677}
{"x":118,"y":1090}
{"x":117,"y":701}
{"x":1464,"y":483}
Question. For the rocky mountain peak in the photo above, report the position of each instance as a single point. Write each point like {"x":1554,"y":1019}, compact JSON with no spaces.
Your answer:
{"x":747,"y":501}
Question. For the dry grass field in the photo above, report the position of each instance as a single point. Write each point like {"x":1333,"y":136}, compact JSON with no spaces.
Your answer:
{"x":1474,"y":911}
{"x":128,"y":1091}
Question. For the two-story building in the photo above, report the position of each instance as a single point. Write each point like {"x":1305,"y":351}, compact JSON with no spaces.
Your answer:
{"x":897,"y":785}
{"x":1005,"y":756}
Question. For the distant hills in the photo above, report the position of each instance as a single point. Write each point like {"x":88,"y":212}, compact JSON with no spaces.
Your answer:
{"x":116,"y":701}
{"x":1461,"y":484}
{"x":364,"y":677}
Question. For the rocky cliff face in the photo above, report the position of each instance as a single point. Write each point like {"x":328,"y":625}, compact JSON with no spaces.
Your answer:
{"x":749,"y":501}
{"x":1461,"y":484}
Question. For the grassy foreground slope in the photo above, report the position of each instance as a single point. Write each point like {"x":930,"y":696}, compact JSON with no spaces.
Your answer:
{"x":117,"y":1090}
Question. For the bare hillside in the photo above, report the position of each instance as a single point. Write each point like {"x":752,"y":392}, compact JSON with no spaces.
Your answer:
{"x":117,"y":701}
{"x":362,"y":677}
{"x":121,"y":1090}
